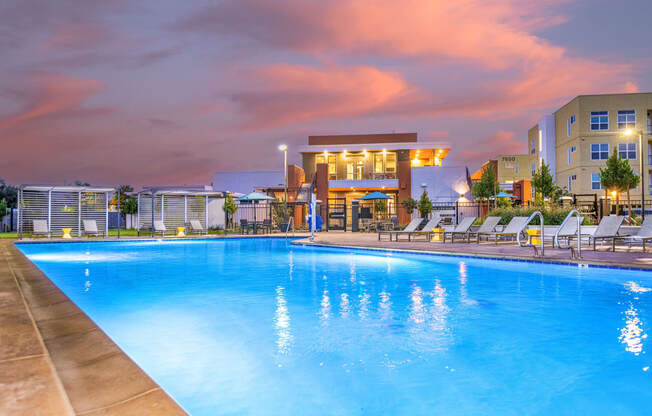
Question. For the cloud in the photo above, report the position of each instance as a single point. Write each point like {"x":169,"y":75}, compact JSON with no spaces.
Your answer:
{"x":275,"y":95}
{"x":77,"y":36}
{"x":503,"y":142}
{"x":52,"y":95}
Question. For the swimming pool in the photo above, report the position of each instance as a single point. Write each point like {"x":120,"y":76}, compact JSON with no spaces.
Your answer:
{"x":259,"y":326}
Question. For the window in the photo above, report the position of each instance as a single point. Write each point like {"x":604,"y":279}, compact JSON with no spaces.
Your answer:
{"x":390,"y":163}
{"x":626,"y":119}
{"x":627,"y":151}
{"x":533,"y":146}
{"x":599,"y":151}
{"x":649,"y":181}
{"x":599,"y":120}
{"x":596,"y":185}
{"x":569,"y":123}
{"x":570,"y":185}
{"x":378,"y":163}
{"x":355,"y":170}
{"x":534,"y":168}
{"x":649,"y":123}
{"x":570,"y":151}
{"x":332,"y":165}
{"x":516,"y":169}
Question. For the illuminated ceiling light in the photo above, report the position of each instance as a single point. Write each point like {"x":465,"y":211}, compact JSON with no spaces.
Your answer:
{"x":384,"y":152}
{"x":628,"y":132}
{"x":282,"y":148}
{"x":325,"y":153}
{"x":364,"y":153}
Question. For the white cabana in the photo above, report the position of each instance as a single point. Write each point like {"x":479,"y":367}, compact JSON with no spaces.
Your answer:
{"x":55,"y":207}
{"x":174,"y":206}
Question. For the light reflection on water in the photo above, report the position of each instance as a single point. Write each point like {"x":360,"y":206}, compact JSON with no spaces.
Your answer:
{"x":632,"y":334}
{"x":282,"y":322}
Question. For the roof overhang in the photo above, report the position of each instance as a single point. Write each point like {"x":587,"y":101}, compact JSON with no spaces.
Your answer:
{"x":373,"y":147}
{"x":66,"y":188}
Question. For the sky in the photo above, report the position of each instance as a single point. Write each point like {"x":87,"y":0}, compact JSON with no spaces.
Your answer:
{"x":167,"y":92}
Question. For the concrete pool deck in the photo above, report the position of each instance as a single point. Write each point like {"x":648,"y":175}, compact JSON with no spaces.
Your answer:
{"x":633,"y":258}
{"x":54,"y":360}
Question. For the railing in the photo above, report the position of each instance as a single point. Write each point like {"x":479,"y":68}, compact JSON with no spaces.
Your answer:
{"x":578,"y":254}
{"x":541,"y":237}
{"x":287,"y":230}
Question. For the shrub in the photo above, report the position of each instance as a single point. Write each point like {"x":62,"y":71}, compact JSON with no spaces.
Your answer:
{"x":551,"y":216}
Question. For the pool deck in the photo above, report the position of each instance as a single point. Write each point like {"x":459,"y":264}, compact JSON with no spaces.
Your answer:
{"x":623,"y":257}
{"x":55,"y":361}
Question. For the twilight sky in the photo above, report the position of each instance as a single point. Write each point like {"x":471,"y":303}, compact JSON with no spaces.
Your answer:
{"x":167,"y":92}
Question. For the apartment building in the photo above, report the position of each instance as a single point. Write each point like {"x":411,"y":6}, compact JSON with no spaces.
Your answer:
{"x":576,"y":140}
{"x":508,"y":169}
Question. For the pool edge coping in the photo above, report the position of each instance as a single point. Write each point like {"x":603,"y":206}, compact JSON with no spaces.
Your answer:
{"x":569,"y":262}
{"x":37,"y":277}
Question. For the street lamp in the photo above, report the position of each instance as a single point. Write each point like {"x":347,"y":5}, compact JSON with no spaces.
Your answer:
{"x":283,"y":148}
{"x":631,"y":132}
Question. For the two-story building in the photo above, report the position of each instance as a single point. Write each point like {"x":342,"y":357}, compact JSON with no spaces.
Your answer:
{"x":347,"y":167}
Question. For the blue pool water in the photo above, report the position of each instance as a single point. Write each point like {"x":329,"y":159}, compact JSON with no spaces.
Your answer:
{"x":257,"y":326}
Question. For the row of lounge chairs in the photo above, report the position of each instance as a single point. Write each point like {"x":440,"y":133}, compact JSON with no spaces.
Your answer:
{"x":40,"y":228}
{"x":608,"y":230}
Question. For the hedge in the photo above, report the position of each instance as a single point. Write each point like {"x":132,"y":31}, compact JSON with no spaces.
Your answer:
{"x":551,"y":216}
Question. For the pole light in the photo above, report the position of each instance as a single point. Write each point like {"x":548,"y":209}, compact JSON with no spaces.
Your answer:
{"x":283,"y":148}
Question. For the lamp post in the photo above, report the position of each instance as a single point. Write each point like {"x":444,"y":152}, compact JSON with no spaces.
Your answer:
{"x":631,"y":132}
{"x":284,"y":149}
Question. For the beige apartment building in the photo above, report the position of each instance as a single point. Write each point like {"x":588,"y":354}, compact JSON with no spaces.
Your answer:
{"x":508,"y":170}
{"x":577,"y":139}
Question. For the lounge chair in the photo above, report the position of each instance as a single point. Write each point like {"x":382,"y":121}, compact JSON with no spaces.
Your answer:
{"x":40,"y":227}
{"x":195,"y":227}
{"x":425,"y":232}
{"x":607,"y":230}
{"x":90,"y":228}
{"x":510,"y":230}
{"x":643,"y":235}
{"x":462,"y":229}
{"x":244,"y":227}
{"x":411,"y":227}
{"x":569,"y":231}
{"x":159,"y":227}
{"x":487,"y":227}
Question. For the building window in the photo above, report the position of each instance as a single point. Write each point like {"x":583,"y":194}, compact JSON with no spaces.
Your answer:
{"x":627,"y":151}
{"x":649,"y":123}
{"x":649,"y":182}
{"x":600,"y":151}
{"x":533,"y":146}
{"x":570,"y":151}
{"x":626,"y":119}
{"x":332,"y":165}
{"x":599,"y":120}
{"x":569,"y":123}
{"x":596,"y":185}
{"x":390,"y":163}
{"x":570,"y":185}
{"x":534,"y":168}
{"x":379,"y":165}
{"x":516,"y":169}
{"x":649,"y":155}
{"x":355,"y":170}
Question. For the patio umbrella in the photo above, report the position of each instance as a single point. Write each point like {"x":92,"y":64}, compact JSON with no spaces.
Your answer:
{"x":374,"y":196}
{"x":503,"y":194}
{"x":255,"y":197}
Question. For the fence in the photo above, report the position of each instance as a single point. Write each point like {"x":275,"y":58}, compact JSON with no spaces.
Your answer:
{"x":269,"y":210}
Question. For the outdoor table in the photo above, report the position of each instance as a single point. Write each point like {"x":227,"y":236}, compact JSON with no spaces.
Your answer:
{"x":66,"y":232}
{"x":437,"y":234}
{"x":181,"y":231}
{"x":534,"y":236}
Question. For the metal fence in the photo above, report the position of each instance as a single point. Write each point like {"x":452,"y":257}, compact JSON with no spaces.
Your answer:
{"x":176,"y":208}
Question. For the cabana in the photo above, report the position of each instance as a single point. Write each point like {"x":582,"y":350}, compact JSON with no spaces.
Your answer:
{"x":174,"y":207}
{"x":58,"y":208}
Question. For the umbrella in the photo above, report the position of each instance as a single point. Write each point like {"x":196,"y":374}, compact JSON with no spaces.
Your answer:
{"x":503,"y":194}
{"x":255,"y":197}
{"x":374,"y":195}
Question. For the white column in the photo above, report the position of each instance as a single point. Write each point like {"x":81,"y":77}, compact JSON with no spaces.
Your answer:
{"x":50,"y":212}
{"x":185,"y":209}
{"x":106,"y":214}
{"x":79,"y":233}
{"x":206,"y":214}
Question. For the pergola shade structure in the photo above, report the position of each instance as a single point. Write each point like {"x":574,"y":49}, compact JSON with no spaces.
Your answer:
{"x":176,"y":207}
{"x":63,"y":207}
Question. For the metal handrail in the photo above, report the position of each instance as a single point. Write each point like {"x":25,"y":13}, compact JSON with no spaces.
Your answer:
{"x":288,"y":227}
{"x":579,"y":235}
{"x":520,"y":232}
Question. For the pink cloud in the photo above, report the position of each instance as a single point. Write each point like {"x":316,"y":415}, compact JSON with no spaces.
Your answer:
{"x":52,"y":94}
{"x":503,"y":142}
{"x":77,"y":36}
{"x":282,"y":94}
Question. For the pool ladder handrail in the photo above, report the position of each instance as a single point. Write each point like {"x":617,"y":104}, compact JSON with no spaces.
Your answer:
{"x":574,"y":254}
{"x":541,"y":237}
{"x":288,"y":227}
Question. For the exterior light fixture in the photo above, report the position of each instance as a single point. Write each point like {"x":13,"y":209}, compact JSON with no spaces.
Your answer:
{"x":282,"y":148}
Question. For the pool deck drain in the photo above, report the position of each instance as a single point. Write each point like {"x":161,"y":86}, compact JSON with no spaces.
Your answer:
{"x":54,"y":360}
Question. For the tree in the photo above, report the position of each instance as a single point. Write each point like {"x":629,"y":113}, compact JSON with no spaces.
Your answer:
{"x":409,"y":205}
{"x":487,"y":186}
{"x":630,"y":180}
{"x":612,"y":176}
{"x":3,"y":208}
{"x":544,"y":186}
{"x":229,"y":208}
{"x":124,"y":195}
{"x":425,"y":205}
{"x":130,"y":206}
{"x":380,"y":206}
{"x":9,"y":194}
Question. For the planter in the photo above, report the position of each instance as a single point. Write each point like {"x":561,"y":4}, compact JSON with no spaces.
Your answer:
{"x":284,"y":227}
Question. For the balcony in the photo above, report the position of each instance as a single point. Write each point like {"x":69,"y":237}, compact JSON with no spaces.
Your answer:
{"x":369,"y":181}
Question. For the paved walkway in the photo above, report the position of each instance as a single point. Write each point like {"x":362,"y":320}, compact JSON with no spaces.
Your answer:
{"x":632,"y":258}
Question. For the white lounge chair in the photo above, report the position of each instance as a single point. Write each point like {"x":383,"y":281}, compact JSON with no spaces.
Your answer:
{"x":510,"y":230}
{"x":40,"y":227}
{"x":488,"y":226}
{"x":425,"y":232}
{"x":463,"y":229}
{"x":411,"y":227}
{"x":195,"y":227}
{"x":159,"y":227}
{"x":643,"y":235}
{"x":607,"y":230}
{"x":90,"y":228}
